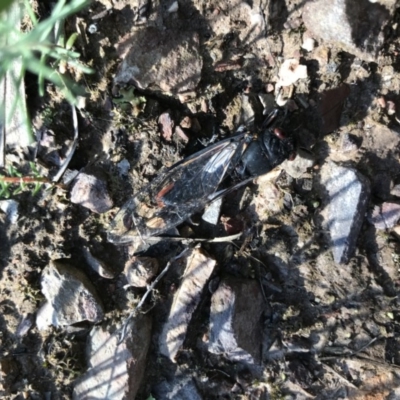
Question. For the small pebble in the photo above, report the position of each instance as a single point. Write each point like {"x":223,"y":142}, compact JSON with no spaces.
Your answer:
{"x":381,"y":102}
{"x":291,"y":71}
{"x":391,"y":107}
{"x":308,"y":44}
{"x":91,"y":192}
{"x":123,"y":167}
{"x":92,"y":29}
{"x":166,"y":126}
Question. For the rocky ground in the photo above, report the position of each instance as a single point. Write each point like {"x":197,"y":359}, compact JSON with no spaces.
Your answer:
{"x":304,"y":302}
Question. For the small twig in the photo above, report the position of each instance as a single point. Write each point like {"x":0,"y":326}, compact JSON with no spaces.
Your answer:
{"x":219,"y":239}
{"x":124,"y":330}
{"x":64,"y":166}
{"x":23,"y":179}
{"x":351,"y":353}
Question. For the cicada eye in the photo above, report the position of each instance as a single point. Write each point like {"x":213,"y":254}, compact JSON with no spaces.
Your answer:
{"x":279,"y":133}
{"x":292,"y":156}
{"x":128,"y":221}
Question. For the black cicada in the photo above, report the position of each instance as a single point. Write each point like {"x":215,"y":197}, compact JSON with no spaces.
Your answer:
{"x":189,"y":185}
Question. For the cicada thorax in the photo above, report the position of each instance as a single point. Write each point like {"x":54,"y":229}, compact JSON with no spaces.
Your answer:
{"x":267,"y":150}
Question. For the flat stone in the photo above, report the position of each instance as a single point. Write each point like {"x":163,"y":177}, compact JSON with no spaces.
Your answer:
{"x":356,"y":26}
{"x":347,"y":196}
{"x":115,"y":370}
{"x":91,"y":192}
{"x":385,"y":216}
{"x":71,"y":297}
{"x":166,"y":61}
{"x":235,"y":320}
{"x":140,"y":270}
{"x":199,"y":267}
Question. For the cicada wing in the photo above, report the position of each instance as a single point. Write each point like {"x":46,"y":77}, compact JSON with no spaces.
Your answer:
{"x":176,"y":194}
{"x":197,"y":177}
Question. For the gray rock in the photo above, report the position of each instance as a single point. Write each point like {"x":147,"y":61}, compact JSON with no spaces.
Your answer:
{"x":10,"y":207}
{"x":347,"y":198}
{"x":91,"y":192}
{"x":199,"y":267}
{"x":299,"y":166}
{"x":357,"y":26}
{"x":71,"y":297}
{"x":140,"y":270}
{"x":123,"y":167}
{"x":385,"y":216}
{"x":115,"y":370}
{"x":235,"y":320}
{"x":159,"y":60}
{"x":181,"y":388}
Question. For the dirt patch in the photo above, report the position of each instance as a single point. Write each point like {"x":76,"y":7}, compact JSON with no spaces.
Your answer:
{"x":328,"y":330}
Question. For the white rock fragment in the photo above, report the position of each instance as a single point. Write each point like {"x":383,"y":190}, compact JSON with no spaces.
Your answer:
{"x":115,"y":369}
{"x":92,"y":28}
{"x":46,"y":317}
{"x":71,"y":297}
{"x":308,"y":44}
{"x":212,"y":212}
{"x":173,"y":7}
{"x":10,"y":208}
{"x":291,"y":71}
{"x":198,"y":270}
{"x":346,"y":198}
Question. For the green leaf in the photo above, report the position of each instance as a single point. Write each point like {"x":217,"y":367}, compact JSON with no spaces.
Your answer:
{"x":71,"y":40}
{"x":4,"y":190}
{"x":18,"y":190}
{"x":5,"y":4}
{"x":36,"y":189}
